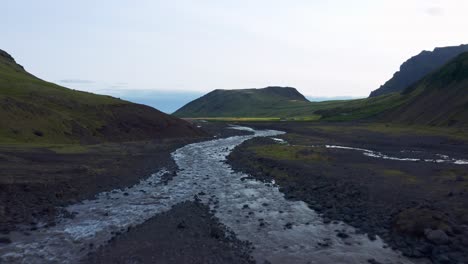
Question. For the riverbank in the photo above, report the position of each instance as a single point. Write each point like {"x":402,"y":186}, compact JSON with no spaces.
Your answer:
{"x":420,"y":208}
{"x":120,"y":214}
{"x":36,"y":181}
{"x":279,"y":230}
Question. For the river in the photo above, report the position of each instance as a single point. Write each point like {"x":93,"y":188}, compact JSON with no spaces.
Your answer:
{"x":281,"y":231}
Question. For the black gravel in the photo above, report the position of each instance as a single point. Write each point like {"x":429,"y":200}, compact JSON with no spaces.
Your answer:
{"x":422,"y":220}
{"x":188,"y":233}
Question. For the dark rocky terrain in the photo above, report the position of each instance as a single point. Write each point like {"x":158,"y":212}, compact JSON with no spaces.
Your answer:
{"x":420,"y":208}
{"x":188,"y":233}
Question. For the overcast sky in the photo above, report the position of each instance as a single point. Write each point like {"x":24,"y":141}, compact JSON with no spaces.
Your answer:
{"x":323,"y":48}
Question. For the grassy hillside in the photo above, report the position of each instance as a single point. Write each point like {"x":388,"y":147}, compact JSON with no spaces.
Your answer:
{"x":36,"y":111}
{"x":417,"y":67}
{"x":439,"y":99}
{"x":266,"y":102}
{"x":255,"y":104}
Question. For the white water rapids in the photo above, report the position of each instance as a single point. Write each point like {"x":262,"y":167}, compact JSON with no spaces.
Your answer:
{"x":281,"y":231}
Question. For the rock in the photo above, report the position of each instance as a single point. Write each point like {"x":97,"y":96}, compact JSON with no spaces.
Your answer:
{"x":443,"y":259}
{"x":216,"y":233}
{"x":342,"y":235}
{"x":438,"y":237}
{"x":181,"y":225}
{"x":371,"y":237}
{"x":5,"y":240}
{"x":373,"y":261}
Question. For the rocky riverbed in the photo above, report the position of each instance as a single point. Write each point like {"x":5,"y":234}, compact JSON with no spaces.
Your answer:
{"x":398,"y":187}
{"x":278,"y":229}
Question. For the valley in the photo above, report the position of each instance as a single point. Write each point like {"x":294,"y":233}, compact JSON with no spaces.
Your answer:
{"x":258,"y":175}
{"x":257,"y":212}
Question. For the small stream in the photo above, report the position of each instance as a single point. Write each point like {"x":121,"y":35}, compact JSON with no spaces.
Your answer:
{"x":281,"y":231}
{"x":406,"y":155}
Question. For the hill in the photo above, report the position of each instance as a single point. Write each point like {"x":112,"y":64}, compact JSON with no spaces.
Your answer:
{"x":265,"y":102}
{"x":439,"y":99}
{"x":36,"y":111}
{"x":417,"y":67}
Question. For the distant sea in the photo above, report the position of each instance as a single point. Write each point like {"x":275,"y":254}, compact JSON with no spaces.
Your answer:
{"x":321,"y":99}
{"x":167,"y":102}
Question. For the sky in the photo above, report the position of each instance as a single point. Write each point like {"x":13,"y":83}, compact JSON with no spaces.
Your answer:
{"x":156,"y":50}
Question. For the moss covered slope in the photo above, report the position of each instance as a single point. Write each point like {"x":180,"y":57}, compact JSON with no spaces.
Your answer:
{"x":36,"y":111}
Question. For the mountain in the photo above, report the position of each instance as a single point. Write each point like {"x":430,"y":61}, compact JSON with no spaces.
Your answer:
{"x":417,"y":67}
{"x":439,"y":99}
{"x":269,"y":101}
{"x":36,"y":111}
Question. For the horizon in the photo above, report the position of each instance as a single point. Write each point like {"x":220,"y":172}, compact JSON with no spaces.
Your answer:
{"x":168,"y":102}
{"x":185,"y":48}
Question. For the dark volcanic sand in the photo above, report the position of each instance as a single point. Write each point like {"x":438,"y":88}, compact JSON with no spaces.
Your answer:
{"x":188,"y":233}
{"x":397,"y":200}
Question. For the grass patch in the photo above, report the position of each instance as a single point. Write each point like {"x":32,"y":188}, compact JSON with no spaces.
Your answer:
{"x":452,"y":175}
{"x":396,"y":130}
{"x":259,"y":119}
{"x":405,"y":177}
{"x":282,"y":152}
{"x":69,"y":149}
{"x":238,"y":119}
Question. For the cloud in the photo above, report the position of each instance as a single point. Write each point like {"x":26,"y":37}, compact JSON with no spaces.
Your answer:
{"x":78,"y":81}
{"x":435,"y":11}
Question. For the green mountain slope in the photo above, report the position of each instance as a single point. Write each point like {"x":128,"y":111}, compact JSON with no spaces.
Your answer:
{"x":417,"y":67}
{"x":36,"y":111}
{"x":440,"y":99}
{"x":266,"y":102}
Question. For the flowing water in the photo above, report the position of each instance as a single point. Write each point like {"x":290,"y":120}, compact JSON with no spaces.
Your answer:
{"x":281,"y":231}
{"x":411,"y":155}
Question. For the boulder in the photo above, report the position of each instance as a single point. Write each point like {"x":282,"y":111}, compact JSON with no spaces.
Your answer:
{"x":438,"y":237}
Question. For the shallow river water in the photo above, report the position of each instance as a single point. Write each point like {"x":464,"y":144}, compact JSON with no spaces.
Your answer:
{"x":281,"y":231}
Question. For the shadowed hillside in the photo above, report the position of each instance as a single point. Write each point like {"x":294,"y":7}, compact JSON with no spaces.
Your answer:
{"x":440,"y":99}
{"x":36,"y":111}
{"x":417,"y":67}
